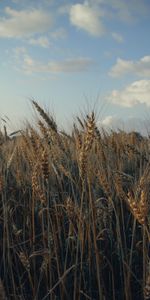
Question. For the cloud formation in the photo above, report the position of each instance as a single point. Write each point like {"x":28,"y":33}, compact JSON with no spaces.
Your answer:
{"x":140,"y":67}
{"x":91,"y":15}
{"x":66,"y":66}
{"x":137,"y":92}
{"x":59,"y":33}
{"x":24,"y":23}
{"x":29,"y":65}
{"x":87,"y":18}
{"x":111,"y":122}
{"x":117,"y":37}
{"x":126,"y":11}
{"x":41,"y":41}
{"x":130,"y":124}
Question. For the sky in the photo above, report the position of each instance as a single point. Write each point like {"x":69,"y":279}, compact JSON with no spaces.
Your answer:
{"x":72,"y":56}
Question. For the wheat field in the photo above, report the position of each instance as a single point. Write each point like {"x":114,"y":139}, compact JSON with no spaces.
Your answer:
{"x":74,"y":212}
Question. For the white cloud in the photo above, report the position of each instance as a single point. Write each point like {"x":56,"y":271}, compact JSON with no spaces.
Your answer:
{"x":126,"y":11}
{"x":130,"y":124}
{"x":140,"y":67}
{"x":18,"y":51}
{"x":136,"y":93}
{"x":42,"y":41}
{"x":87,"y":18}
{"x":24,"y":23}
{"x":91,"y":14}
{"x":59,"y":33}
{"x":64,"y":8}
{"x":111,"y":121}
{"x":29,"y":65}
{"x":66,"y":66}
{"x":117,"y":37}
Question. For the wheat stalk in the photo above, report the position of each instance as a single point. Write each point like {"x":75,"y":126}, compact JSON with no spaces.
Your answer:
{"x":49,"y":120}
{"x":2,"y":291}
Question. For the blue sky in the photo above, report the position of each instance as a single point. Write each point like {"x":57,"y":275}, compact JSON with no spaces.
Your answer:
{"x":69,"y":55}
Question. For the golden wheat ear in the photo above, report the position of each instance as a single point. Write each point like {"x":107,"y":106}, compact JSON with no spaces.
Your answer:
{"x":48,"y":119}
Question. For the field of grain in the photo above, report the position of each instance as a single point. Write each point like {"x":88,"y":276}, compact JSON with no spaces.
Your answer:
{"x":74,"y":213}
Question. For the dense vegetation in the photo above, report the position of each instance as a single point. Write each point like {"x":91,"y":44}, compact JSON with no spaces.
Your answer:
{"x":74,"y":213}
